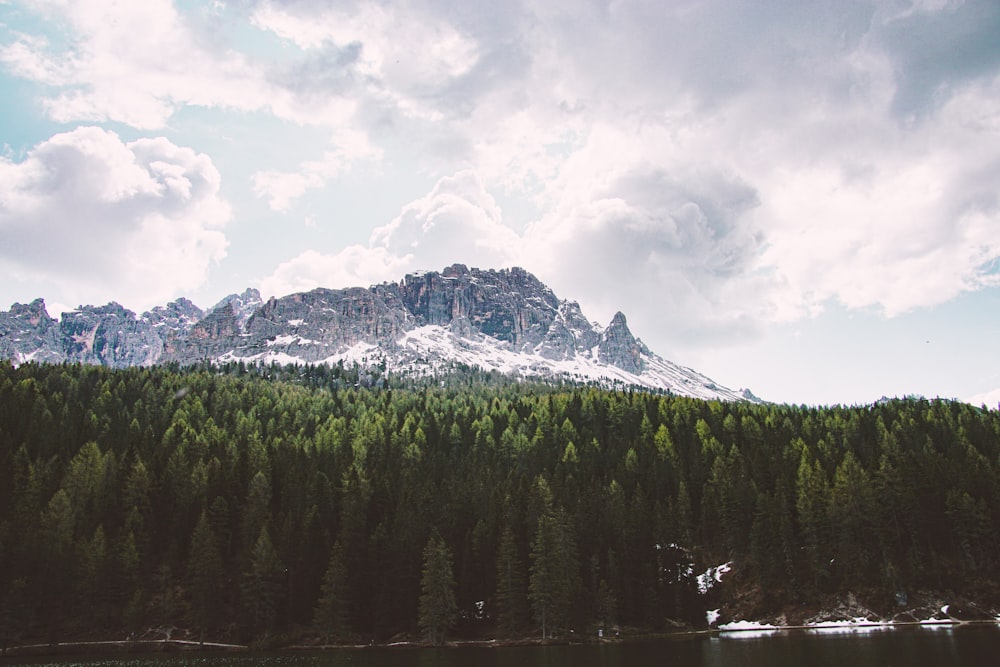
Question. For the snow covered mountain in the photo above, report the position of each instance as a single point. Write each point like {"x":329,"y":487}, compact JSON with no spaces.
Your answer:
{"x":504,"y":320}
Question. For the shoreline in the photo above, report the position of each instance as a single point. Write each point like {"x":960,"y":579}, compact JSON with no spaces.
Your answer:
{"x":155,"y":646}
{"x":112,"y":646}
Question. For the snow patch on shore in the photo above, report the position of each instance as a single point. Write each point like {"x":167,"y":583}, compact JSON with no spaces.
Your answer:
{"x":859,"y":624}
{"x":748,"y":629}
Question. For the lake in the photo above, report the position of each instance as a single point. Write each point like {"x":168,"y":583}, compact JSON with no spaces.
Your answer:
{"x":910,"y":647}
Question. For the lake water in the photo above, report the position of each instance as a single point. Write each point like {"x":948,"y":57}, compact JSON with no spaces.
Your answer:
{"x":968,"y":646}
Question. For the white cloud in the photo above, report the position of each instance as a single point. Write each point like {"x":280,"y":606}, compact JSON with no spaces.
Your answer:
{"x":401,"y":48}
{"x":103,"y":219}
{"x":457,"y":222}
{"x":670,"y":240}
{"x":281,"y":189}
{"x":744,"y":163}
{"x":854,"y":202}
{"x":990,"y":399}
{"x":351,"y":267}
{"x":673,"y":247}
{"x":896,"y":218}
{"x":138,"y":63}
{"x":130,"y":62}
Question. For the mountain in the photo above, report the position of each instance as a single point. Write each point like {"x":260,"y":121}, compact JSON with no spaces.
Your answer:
{"x":505,"y":320}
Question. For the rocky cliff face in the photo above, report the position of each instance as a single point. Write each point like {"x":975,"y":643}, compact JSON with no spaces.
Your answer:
{"x":27,"y":333}
{"x":619,"y":348}
{"x":505,"y":320}
{"x":314,"y":326}
{"x":511,"y":305}
{"x":109,"y":335}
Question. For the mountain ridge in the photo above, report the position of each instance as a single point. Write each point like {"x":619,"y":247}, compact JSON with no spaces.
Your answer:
{"x":505,"y":320}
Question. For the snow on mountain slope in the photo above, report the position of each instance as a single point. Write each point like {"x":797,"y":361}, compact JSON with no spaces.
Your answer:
{"x":433,"y":348}
{"x":489,"y":354}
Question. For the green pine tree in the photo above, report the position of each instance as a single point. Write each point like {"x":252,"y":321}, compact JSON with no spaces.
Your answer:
{"x":511,"y":593}
{"x":331,"y":616}
{"x":438,"y":610}
{"x":263,"y":585}
{"x":205,"y":572}
{"x":554,"y":573}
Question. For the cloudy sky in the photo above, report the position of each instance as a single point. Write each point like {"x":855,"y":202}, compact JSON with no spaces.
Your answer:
{"x":798,"y":197}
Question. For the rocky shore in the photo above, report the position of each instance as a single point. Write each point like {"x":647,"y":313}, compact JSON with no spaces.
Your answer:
{"x":851,"y":611}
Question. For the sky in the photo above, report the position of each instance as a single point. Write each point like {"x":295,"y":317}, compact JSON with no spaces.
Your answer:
{"x":799,"y":197}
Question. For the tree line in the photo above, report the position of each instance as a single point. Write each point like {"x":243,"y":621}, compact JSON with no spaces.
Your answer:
{"x":261,"y":503}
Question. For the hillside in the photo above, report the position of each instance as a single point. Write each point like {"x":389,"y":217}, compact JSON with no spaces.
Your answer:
{"x":212,"y":498}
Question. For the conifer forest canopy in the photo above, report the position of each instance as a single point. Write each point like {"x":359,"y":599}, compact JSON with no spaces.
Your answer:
{"x":322,"y":504}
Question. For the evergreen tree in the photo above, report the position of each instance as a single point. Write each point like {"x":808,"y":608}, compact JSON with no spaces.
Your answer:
{"x":205,"y":573}
{"x":58,"y":558}
{"x":263,"y":586}
{"x":104,"y":476}
{"x":331,"y":617}
{"x":854,"y":517}
{"x":92,"y":580}
{"x":607,"y":606}
{"x":553,"y":580}
{"x":811,"y":502}
{"x":438,"y":610}
{"x":511,"y":600}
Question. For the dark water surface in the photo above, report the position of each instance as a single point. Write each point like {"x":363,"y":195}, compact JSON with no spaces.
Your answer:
{"x":910,"y":647}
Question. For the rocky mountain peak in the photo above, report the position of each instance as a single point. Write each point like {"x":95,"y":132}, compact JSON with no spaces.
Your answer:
{"x":28,"y":333}
{"x":34,"y":313}
{"x":181,"y":313}
{"x":111,"y":335}
{"x":618,"y":347}
{"x":241,"y":306}
{"x":505,"y":320}
{"x":510,"y":305}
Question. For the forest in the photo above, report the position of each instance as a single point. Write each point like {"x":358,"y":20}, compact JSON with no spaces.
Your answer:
{"x":272,"y":505}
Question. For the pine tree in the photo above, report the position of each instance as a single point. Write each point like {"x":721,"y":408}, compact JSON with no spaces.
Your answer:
{"x":438,"y":610}
{"x":811,"y":505}
{"x":263,"y":585}
{"x":205,"y":573}
{"x":331,"y":616}
{"x":92,"y":577}
{"x":511,"y":594}
{"x":854,"y":517}
{"x":57,"y":554}
{"x":554,"y":572}
{"x":607,"y":606}
{"x":542,"y":585}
